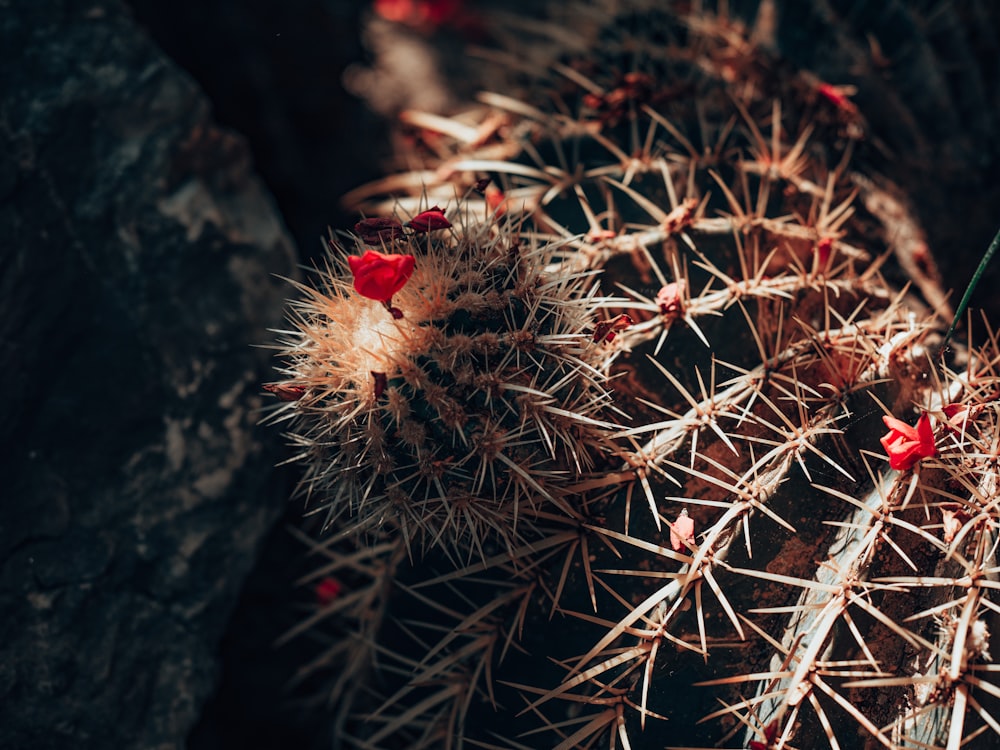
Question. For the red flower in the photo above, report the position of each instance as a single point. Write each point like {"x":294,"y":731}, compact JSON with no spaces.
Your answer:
{"x":428,"y":221}
{"x":906,"y":445}
{"x":378,"y":276}
{"x":378,"y":230}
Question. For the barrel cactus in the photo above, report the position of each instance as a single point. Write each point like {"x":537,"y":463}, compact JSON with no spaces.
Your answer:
{"x":651,"y":436}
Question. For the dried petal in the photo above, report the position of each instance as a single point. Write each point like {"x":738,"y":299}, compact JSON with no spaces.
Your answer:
{"x":953,"y":518}
{"x":286,"y":391}
{"x":377,"y":231}
{"x":959,"y":415}
{"x":606,"y":330}
{"x":380,"y":383}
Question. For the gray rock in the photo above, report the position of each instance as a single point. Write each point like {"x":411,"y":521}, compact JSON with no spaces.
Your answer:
{"x":136,"y":276}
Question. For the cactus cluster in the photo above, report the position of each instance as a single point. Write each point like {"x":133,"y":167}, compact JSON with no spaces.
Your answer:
{"x":642,"y":447}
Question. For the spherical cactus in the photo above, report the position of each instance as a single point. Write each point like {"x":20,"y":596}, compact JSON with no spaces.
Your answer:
{"x":777,"y":529}
{"x":449,"y":385}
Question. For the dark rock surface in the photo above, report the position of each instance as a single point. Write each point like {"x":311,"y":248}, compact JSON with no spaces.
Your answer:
{"x":136,"y":276}
{"x":273,"y":71}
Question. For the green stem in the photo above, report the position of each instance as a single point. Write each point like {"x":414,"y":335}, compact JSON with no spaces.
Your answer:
{"x":971,"y":287}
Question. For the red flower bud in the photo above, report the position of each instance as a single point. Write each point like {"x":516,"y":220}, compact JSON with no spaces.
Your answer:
{"x":906,"y":445}
{"x":378,"y":230}
{"x":378,"y":276}
{"x":823,"y":249}
{"x":428,"y":221}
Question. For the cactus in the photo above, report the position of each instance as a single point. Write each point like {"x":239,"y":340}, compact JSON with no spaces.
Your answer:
{"x":647,"y":451}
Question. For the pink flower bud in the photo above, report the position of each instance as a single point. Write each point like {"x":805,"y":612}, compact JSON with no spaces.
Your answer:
{"x":681,"y":531}
{"x":671,"y":299}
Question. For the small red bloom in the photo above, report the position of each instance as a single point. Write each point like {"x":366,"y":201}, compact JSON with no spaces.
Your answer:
{"x":286,"y":391}
{"x":671,"y":299}
{"x":606,"y":330}
{"x":907,"y":445}
{"x":681,"y":531}
{"x":428,"y":221}
{"x":378,"y":230}
{"x":327,"y":590}
{"x":378,"y":275}
{"x":823,"y":249}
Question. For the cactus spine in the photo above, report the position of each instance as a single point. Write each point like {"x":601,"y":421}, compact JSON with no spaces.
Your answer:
{"x":554,"y":507}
